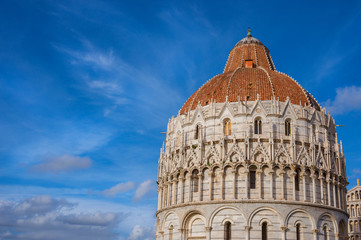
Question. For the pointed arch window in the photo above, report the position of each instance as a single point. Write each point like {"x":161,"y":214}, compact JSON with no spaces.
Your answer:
{"x":227,"y":231}
{"x":258,"y":126}
{"x":298,"y":231}
{"x":197,"y":132}
{"x":195,"y":181}
{"x":297,"y":180}
{"x":252,"y":178}
{"x":264,"y":231}
{"x":325,"y":234}
{"x":288,"y":127}
{"x":227,"y":127}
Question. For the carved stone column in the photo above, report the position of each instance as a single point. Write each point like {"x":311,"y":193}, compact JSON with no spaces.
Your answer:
{"x":181,"y":181}
{"x":174,"y":198}
{"x":270,"y":173}
{"x":282,"y":177}
{"x":189,"y":180}
{"x":284,"y":230}
{"x":246,"y":187}
{"x":208,"y":233}
{"x":328,"y":181}
{"x":222,"y":185}
{"x":259,"y":176}
{"x":321,"y":186}
{"x":315,"y":233}
{"x":313,"y":176}
{"x":339,"y":195}
{"x":210,"y":177}
{"x":200,"y":186}
{"x":334,"y":192}
{"x":235,"y":174}
{"x":169,"y":189}
{"x":304,"y":175}
{"x":293,"y":175}
{"x":247,"y":232}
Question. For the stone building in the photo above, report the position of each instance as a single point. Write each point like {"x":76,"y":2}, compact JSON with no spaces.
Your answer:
{"x":353,"y":209}
{"x":251,"y":155}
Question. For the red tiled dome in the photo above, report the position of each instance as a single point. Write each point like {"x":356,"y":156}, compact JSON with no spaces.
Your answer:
{"x":249,"y":72}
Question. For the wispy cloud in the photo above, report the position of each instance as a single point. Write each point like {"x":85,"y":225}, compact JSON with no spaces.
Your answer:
{"x":348,"y":99}
{"x":63,"y":163}
{"x":142,"y":233}
{"x":119,"y":188}
{"x":43,"y":217}
{"x":144,"y":189}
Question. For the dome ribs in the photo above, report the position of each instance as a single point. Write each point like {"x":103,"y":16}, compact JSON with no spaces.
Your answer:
{"x":246,"y":80}
{"x":285,"y":87}
{"x":247,"y":83}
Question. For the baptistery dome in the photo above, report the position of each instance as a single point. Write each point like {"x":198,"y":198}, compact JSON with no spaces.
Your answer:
{"x":251,"y":155}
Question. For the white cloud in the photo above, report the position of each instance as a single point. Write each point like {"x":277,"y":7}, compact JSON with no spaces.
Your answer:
{"x":347,"y":99}
{"x":144,"y":189}
{"x":142,"y":233}
{"x":119,"y":188}
{"x":45,"y":218}
{"x":63,"y":163}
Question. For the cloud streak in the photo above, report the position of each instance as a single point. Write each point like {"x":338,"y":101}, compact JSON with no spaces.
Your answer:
{"x":119,"y":188}
{"x":348,"y":99}
{"x":143,"y":190}
{"x":46,"y":218}
{"x":63,"y":163}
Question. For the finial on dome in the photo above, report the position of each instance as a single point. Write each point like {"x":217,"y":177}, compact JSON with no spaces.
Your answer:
{"x":358,"y":182}
{"x":249,"y":32}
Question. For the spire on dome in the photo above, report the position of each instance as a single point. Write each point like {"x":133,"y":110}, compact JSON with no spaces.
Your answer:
{"x":249,"y":34}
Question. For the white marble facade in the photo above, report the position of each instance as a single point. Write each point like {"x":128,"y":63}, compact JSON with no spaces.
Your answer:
{"x":354,"y":211}
{"x":222,"y":177}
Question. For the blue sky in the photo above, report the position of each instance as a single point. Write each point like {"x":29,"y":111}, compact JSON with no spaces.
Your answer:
{"x":86,"y":87}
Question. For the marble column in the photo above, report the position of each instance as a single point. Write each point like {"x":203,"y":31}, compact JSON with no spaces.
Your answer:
{"x":283,"y":229}
{"x":270,"y":173}
{"x":321,"y":187}
{"x":235,"y":174}
{"x":259,"y":176}
{"x":222,"y":185}
{"x":208,"y":233}
{"x":190,"y":190}
{"x":334,"y":192}
{"x":304,"y":175}
{"x":313,"y":176}
{"x":175,"y":185}
{"x":328,"y":181}
{"x":200,"y":186}
{"x":293,"y":175}
{"x":246,"y":187}
{"x":282,"y":177}
{"x":181,"y":181}
{"x":247,"y":232}
{"x":210,"y":177}
{"x":315,"y":233}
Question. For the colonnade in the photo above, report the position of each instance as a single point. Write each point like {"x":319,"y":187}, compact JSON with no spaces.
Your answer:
{"x":274,"y":182}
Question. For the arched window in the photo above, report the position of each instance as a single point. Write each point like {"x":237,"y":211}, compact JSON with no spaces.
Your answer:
{"x":227,"y":127}
{"x":197,"y":131}
{"x":258,"y":126}
{"x":171,"y":232}
{"x":297,"y":181}
{"x":351,"y":226}
{"x":288,"y":127}
{"x":356,"y":226}
{"x":325,"y":236}
{"x":298,"y":231}
{"x":252,"y":178}
{"x":195,"y":181}
{"x":227,"y":231}
{"x":264,"y":231}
